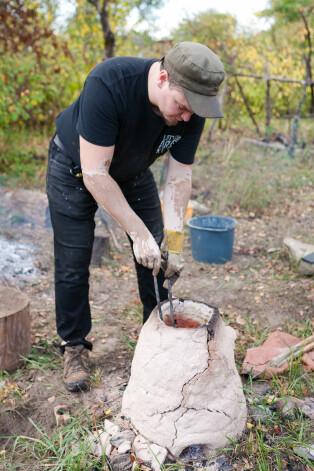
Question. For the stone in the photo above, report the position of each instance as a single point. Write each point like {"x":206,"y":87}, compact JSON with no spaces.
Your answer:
{"x":298,"y":250}
{"x":124,"y":436}
{"x":286,"y":408}
{"x":100,"y":443}
{"x":306,"y":406}
{"x":159,"y":455}
{"x":124,"y":447}
{"x":184,"y":387}
{"x":121,"y":462}
{"x":220,"y":464}
{"x":305,"y":451}
{"x":111,"y":428}
{"x":260,"y":413}
{"x":141,"y":449}
{"x":260,"y":388}
{"x":149,"y":452}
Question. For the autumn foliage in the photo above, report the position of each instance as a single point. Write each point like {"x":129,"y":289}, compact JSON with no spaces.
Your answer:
{"x":44,"y":65}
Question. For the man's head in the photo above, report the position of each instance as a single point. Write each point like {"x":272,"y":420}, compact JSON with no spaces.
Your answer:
{"x":199,"y":72}
{"x":172,"y":104}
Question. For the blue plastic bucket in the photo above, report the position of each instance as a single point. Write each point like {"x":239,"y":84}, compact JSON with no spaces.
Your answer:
{"x":212,"y":238}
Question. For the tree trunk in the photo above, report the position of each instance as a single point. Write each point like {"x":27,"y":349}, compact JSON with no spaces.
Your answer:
{"x":308,"y":59}
{"x":15,"y":333}
{"x":109,"y":38}
{"x":268,"y":105}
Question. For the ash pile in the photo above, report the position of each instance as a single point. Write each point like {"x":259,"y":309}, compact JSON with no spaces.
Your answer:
{"x":24,"y":221}
{"x":17,"y":263}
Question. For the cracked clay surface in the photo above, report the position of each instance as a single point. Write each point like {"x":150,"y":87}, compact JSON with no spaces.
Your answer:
{"x":184,"y":387}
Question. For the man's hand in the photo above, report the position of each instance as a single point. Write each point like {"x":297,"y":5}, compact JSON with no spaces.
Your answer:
{"x":172,"y":261}
{"x":146,"y":251}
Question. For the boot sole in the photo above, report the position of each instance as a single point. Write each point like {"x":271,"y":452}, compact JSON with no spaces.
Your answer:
{"x":77,"y":386}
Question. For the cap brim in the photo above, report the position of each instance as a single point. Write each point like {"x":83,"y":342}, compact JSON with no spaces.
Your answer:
{"x":203,"y":105}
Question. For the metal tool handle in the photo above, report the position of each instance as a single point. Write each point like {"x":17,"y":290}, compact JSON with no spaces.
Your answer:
{"x":157,"y":297}
{"x":170,"y":303}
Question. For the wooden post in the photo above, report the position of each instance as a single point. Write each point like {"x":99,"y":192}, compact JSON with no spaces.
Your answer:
{"x":268,"y":106}
{"x":15,"y":332}
{"x":296,"y":124}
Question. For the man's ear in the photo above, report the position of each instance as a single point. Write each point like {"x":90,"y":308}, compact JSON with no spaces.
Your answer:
{"x":162,"y":78}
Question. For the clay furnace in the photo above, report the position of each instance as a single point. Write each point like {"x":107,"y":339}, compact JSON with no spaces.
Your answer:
{"x":184,"y":387}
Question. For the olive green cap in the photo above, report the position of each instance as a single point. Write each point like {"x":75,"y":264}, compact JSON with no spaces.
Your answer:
{"x":199,"y":72}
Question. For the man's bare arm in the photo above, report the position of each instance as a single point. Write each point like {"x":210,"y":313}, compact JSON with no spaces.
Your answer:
{"x":176,"y":197}
{"x":95,"y":162}
{"x":177,"y":192}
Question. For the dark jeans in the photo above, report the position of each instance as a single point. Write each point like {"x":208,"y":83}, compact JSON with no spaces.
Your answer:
{"x":72,"y":210}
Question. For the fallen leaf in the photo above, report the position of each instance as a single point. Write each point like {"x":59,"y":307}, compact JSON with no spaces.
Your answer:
{"x":240,"y":320}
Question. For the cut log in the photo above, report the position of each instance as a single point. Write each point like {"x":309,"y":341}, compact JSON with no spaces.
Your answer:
{"x":15,"y":332}
{"x":101,"y":247}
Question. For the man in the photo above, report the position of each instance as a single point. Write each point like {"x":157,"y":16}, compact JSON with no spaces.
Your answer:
{"x":130,"y":112}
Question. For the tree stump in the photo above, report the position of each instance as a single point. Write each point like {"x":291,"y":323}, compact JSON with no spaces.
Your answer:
{"x":101,"y":246}
{"x":15,"y":332}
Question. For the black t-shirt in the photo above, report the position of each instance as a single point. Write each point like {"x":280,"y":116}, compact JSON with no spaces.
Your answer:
{"x":114,"y":109}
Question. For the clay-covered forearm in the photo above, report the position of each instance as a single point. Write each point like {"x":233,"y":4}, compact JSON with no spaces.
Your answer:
{"x":109,"y":196}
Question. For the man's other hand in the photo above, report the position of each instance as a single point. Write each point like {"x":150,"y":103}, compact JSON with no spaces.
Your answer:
{"x":172,"y":261}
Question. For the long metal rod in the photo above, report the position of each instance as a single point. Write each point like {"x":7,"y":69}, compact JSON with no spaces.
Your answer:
{"x":171,"y":304}
{"x":157,"y":297}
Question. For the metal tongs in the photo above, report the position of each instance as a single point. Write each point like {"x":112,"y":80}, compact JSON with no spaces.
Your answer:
{"x":170,"y":300}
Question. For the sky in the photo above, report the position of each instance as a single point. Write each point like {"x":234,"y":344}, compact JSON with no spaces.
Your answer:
{"x":173,"y":11}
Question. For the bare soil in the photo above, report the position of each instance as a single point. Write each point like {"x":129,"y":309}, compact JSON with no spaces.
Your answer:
{"x":259,"y":289}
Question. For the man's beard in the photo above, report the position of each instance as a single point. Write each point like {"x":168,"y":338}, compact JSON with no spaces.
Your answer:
{"x":170,"y":123}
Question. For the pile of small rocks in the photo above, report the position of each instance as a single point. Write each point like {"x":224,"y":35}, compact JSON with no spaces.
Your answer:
{"x":125,"y":450}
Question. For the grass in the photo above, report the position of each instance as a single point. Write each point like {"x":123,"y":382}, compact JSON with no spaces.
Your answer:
{"x":70,"y":448}
{"x":23,"y":158}
{"x":44,"y":356}
{"x":250,"y":179}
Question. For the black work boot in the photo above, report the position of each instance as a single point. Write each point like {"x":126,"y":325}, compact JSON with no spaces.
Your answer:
{"x":76,"y":375}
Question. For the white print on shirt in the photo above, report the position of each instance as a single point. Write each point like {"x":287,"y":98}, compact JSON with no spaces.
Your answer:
{"x":167,"y":142}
